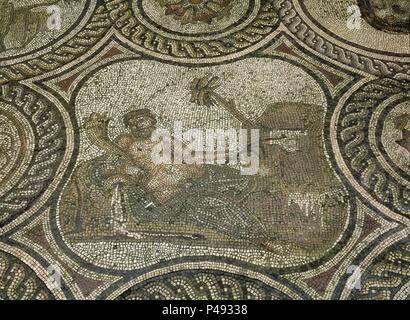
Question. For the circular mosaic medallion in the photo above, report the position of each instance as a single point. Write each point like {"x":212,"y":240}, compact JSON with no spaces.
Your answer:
{"x":374,"y":140}
{"x":19,"y":282}
{"x":28,"y":122}
{"x":356,"y":24}
{"x":195,"y":18}
{"x":395,"y":137}
{"x":194,"y":28}
{"x":390,"y":267}
{"x":16,"y":142}
{"x":348,"y":34}
{"x":32,"y":26}
{"x":203,"y":285}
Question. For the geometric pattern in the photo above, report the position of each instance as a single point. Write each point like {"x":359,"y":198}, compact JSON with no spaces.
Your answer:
{"x":86,"y":214}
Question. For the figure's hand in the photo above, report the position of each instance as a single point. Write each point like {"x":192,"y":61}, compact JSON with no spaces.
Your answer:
{"x":96,"y":126}
{"x":96,"y":119}
{"x":122,"y":173}
{"x":114,"y":174}
{"x":134,"y":172}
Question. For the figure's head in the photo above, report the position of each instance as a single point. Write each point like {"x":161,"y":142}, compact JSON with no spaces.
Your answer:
{"x":140,"y":122}
{"x":387,"y":15}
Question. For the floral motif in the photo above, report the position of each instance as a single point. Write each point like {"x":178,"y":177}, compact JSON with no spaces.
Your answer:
{"x":194,"y":11}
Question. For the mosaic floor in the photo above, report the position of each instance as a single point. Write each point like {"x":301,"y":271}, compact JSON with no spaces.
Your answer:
{"x":86,"y":214}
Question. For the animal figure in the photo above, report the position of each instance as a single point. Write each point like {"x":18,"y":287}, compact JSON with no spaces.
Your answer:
{"x":21,"y":24}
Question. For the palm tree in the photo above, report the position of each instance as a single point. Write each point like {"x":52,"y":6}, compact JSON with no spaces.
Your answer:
{"x":203,"y":93}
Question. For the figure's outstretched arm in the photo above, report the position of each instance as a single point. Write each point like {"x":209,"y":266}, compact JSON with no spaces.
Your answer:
{"x":125,"y":167}
{"x":96,"y":128}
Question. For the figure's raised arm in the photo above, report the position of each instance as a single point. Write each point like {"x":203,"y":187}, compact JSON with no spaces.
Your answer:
{"x":95,"y":127}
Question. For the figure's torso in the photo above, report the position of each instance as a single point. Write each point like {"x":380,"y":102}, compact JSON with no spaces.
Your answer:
{"x":162,"y":181}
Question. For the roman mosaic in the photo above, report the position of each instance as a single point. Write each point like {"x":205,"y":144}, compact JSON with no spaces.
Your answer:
{"x":85,"y":213}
